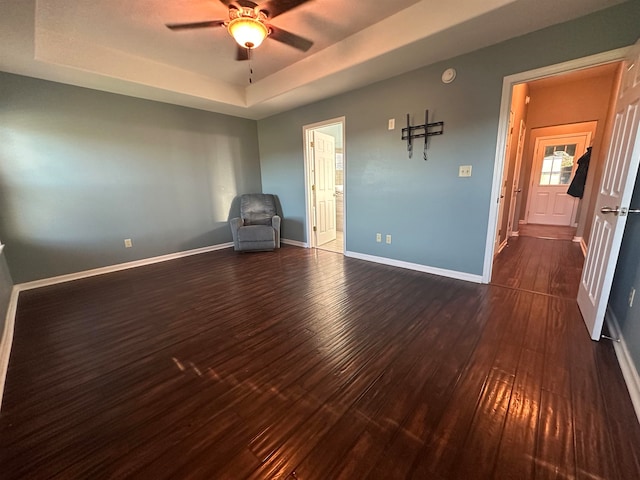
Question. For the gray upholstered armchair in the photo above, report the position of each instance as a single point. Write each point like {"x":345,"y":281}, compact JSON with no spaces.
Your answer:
{"x":258,"y":227}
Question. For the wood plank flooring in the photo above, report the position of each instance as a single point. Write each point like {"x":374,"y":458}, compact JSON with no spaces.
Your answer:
{"x":304,"y":364}
{"x":552,"y":267}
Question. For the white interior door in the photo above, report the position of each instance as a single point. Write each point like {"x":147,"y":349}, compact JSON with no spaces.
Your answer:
{"x":515,"y":186}
{"x":503,"y":189}
{"x":324,"y":155}
{"x":614,"y":197}
{"x":554,"y":162}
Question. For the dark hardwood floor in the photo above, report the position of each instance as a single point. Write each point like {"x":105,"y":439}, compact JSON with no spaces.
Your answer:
{"x":552,"y":267}
{"x":304,"y":364}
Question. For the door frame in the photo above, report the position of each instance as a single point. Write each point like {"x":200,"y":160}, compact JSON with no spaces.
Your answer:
{"x":534,"y":170}
{"x":308,"y":180}
{"x":505,"y":105}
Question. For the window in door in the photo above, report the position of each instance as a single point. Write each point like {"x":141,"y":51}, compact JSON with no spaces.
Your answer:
{"x":557,"y":164}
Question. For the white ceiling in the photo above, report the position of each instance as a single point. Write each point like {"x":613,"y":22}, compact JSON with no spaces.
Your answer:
{"x":123,"y":46}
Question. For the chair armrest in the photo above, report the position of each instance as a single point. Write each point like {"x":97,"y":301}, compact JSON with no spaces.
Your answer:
{"x":275,"y":223}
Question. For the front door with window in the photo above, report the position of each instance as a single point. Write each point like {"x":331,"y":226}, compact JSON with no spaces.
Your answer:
{"x":554,"y":163}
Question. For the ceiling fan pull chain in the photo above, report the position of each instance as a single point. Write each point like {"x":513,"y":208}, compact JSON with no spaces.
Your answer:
{"x":250,"y":66}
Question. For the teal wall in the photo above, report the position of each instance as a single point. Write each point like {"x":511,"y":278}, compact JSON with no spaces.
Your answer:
{"x":628,"y":275}
{"x":436,"y":218}
{"x":81,"y":170}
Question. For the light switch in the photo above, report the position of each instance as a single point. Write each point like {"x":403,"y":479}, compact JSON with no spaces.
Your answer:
{"x":392,"y":123}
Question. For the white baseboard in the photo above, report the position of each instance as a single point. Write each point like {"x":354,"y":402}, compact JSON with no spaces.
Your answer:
{"x":515,"y":234}
{"x":7,"y":339}
{"x":629,"y":370}
{"x":45,"y":282}
{"x":295,"y":243}
{"x":469,"y":277}
{"x":501,"y":247}
{"x":583,"y":247}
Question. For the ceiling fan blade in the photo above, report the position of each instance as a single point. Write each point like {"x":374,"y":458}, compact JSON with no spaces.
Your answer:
{"x":246,"y":3}
{"x":242,"y":54}
{"x":289,"y":38}
{"x":187,"y":26}
{"x":226,"y":3}
{"x":278,"y":7}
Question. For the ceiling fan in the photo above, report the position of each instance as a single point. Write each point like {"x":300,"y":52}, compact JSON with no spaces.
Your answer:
{"x":249,"y":24}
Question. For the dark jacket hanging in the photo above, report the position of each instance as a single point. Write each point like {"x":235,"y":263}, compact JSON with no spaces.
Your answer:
{"x":576,"y":189}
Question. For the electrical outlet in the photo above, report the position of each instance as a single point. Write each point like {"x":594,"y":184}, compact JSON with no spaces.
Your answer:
{"x":388,"y":239}
{"x":378,"y":237}
{"x":632,"y":294}
{"x":128,"y":243}
{"x":464,"y":171}
{"x":392,"y":123}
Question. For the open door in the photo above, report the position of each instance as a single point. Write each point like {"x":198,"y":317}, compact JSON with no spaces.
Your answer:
{"x":614,"y":196}
{"x":501,"y":201}
{"x":324,"y":157}
{"x":515,"y":185}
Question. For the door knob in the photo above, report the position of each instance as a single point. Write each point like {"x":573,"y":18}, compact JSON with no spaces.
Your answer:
{"x":518,"y":190}
{"x":615,"y":211}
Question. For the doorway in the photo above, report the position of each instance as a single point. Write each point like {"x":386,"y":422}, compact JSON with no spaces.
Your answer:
{"x":545,"y":103}
{"x":566,"y":114}
{"x":614,"y":177}
{"x":324,"y":155}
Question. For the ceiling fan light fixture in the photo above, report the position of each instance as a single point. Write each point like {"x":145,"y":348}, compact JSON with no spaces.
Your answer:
{"x":248,"y":32}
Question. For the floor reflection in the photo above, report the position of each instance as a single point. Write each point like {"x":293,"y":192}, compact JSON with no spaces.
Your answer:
{"x":336,"y":245}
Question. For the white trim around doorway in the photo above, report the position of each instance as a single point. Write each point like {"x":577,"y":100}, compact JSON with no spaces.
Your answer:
{"x":306,"y":130}
{"x":505,"y":104}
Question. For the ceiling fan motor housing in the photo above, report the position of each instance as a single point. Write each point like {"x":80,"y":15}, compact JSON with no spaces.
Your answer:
{"x":248,"y":24}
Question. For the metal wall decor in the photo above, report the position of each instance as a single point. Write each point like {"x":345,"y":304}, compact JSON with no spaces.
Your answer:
{"x":421,"y":131}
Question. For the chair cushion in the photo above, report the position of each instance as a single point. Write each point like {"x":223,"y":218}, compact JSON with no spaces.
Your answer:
{"x":257,"y":233}
{"x":257,"y":208}
{"x":258,"y":219}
